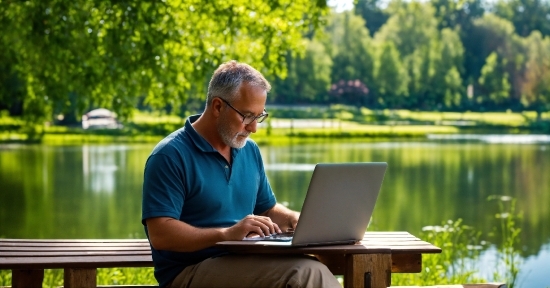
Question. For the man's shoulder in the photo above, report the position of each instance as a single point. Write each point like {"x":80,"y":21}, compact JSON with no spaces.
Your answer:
{"x":176,"y":142}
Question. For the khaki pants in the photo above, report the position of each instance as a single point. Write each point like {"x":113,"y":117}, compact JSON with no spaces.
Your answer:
{"x":256,"y":271}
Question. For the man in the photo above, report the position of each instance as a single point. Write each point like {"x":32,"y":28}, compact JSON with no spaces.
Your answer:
{"x":206,"y":183}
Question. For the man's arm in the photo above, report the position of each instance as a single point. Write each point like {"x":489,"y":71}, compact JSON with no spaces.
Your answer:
{"x":284,"y":217}
{"x":167,"y":233}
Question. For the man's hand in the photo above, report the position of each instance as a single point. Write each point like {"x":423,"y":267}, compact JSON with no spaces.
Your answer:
{"x":286,"y":219}
{"x":164,"y":230}
{"x":252,"y":225}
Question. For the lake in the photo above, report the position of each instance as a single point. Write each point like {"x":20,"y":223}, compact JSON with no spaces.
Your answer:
{"x":94,"y":191}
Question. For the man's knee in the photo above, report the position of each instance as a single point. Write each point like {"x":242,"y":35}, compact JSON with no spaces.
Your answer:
{"x":311,"y":273}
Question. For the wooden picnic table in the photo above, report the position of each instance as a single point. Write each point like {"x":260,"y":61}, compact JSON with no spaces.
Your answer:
{"x":367,"y":264}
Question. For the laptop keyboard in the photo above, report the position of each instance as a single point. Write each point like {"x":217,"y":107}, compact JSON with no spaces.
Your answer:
{"x":280,"y":237}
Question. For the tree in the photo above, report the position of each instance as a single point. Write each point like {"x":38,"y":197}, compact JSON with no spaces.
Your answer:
{"x":410,"y":26}
{"x":308,"y":79}
{"x":372,"y":13}
{"x":495,"y":88}
{"x":497,"y":35}
{"x":390,"y":77}
{"x":430,"y":56}
{"x":536,"y":88}
{"x":526,"y":15}
{"x":86,"y":54}
{"x":459,"y":15}
{"x":352,"y":50}
{"x":447,"y":81}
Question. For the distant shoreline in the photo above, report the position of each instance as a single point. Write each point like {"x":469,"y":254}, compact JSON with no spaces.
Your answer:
{"x":284,"y":134}
{"x":298,"y":124}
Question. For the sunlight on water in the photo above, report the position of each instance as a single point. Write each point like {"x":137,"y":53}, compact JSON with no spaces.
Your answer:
{"x":494,"y":138}
{"x":289,"y":167}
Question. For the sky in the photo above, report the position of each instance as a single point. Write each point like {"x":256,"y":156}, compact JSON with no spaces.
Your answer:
{"x":341,"y":5}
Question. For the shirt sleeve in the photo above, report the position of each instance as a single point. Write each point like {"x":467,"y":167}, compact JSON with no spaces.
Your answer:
{"x":163,"y":189}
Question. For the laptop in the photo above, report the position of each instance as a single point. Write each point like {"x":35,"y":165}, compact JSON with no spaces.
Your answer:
{"x":338,"y":205}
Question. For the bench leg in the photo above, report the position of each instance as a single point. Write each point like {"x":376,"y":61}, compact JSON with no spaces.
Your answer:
{"x":368,"y":271}
{"x":80,"y":278}
{"x":27,"y":278}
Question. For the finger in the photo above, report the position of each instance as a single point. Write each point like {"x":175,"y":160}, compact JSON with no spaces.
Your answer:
{"x":277,"y":228}
{"x":261,"y":230}
{"x":268,"y":226}
{"x":254,"y":225}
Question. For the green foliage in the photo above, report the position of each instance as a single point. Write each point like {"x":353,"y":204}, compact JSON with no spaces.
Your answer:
{"x":70,"y":56}
{"x":390,"y":76}
{"x":509,"y":257}
{"x":5,"y":278}
{"x":495,"y":87}
{"x":308,"y":76}
{"x":353,"y":53}
{"x":411,"y":26}
{"x":371,"y":11}
{"x":460,"y":247}
{"x":126,"y":276}
{"x":526,"y":15}
{"x":536,"y":87}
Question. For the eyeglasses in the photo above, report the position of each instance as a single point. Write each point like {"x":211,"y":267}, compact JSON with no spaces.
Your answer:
{"x":247,"y":119}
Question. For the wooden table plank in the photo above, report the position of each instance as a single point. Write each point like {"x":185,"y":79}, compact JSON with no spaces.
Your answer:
{"x":74,"y":253}
{"x":76,"y":262}
{"x":72,"y":249}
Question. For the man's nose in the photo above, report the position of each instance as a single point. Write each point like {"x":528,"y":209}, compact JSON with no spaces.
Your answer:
{"x":252,"y":126}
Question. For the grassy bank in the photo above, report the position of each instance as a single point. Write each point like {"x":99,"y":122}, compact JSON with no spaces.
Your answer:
{"x":290,"y":126}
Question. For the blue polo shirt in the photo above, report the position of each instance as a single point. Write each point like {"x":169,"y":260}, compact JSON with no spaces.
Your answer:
{"x":187,"y":179}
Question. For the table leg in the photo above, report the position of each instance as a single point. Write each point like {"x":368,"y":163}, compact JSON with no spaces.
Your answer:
{"x":27,"y":278}
{"x":80,"y":278}
{"x":368,"y":271}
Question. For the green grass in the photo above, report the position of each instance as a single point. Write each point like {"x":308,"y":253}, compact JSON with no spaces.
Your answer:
{"x":456,"y":241}
{"x":338,"y":122}
{"x":511,"y":119}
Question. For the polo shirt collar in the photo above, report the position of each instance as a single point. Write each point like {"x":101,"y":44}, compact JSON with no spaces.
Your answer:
{"x":198,"y":140}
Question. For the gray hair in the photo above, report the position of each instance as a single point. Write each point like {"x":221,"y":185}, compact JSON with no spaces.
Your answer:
{"x":228,"y":78}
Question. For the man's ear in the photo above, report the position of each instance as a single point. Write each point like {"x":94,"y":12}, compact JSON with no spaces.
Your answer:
{"x":217,"y":104}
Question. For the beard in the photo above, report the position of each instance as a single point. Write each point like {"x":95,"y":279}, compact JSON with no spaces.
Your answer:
{"x":231,"y":138}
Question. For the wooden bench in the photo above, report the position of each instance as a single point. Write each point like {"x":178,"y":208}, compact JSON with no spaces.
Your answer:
{"x":401,"y":252}
{"x":79,"y":259}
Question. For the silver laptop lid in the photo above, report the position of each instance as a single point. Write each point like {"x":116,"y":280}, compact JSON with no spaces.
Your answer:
{"x":339,"y":202}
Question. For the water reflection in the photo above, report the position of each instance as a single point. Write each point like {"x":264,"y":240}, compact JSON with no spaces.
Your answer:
{"x":99,"y":164}
{"x":94,"y":191}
